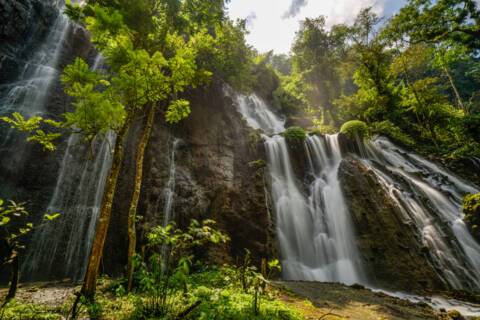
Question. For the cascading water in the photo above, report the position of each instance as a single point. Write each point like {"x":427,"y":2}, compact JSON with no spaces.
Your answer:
{"x":169,"y":191}
{"x":258,"y":114}
{"x":61,"y":247}
{"x":27,"y":94}
{"x":431,"y":199}
{"x":314,"y":230}
{"x":313,"y":227}
{"x":316,"y":236}
{"x":66,"y":242}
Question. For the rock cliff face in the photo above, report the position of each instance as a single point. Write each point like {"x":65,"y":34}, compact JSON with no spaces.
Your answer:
{"x":391,"y":254}
{"x":217,"y":176}
{"x":25,"y":23}
{"x":25,"y":26}
{"x":28,"y":173}
{"x":213,"y":164}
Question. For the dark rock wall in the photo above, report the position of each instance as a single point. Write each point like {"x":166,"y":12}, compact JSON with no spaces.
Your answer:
{"x":24,"y":24}
{"x":391,"y":254}
{"x":27,"y":172}
{"x":215,"y":179}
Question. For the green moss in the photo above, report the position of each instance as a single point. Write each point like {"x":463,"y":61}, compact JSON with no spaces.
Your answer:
{"x":257,"y":164}
{"x":471,"y":208}
{"x":295,"y":135}
{"x":254,"y":138}
{"x":354,"y":129}
{"x":15,"y":310}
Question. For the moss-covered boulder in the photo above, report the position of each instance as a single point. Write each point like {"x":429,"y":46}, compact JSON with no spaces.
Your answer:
{"x":471,"y":208}
{"x":295,"y":136}
{"x":354,"y":129}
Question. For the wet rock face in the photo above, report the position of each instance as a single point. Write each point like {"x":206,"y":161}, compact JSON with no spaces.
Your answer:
{"x":27,"y":172}
{"x":217,"y":176}
{"x":392,"y":256}
{"x":25,"y":23}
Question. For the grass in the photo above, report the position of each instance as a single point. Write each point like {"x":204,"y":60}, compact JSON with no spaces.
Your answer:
{"x":216,"y":291}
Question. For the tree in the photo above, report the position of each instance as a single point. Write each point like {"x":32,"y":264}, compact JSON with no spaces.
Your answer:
{"x":316,"y":54}
{"x":14,"y":227}
{"x":147,"y":67}
{"x":445,"y":56}
{"x":430,"y":21}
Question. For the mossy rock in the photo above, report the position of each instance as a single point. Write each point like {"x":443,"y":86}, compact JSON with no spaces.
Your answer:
{"x":471,"y":208}
{"x":355,"y":129}
{"x":295,"y":135}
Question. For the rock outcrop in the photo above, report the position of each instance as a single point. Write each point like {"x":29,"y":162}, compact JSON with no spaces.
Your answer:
{"x":218,"y":176}
{"x":392,"y":256}
{"x":25,"y":23}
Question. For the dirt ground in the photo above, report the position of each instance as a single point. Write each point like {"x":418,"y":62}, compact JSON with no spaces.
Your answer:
{"x":336,"y":301}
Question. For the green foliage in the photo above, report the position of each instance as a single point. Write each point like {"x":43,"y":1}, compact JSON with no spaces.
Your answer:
{"x":411,"y":79}
{"x":437,"y":21}
{"x":33,"y":126}
{"x":20,"y":311}
{"x":471,"y":209}
{"x":320,"y":128}
{"x":291,"y":95}
{"x":295,"y":135}
{"x":317,"y":53}
{"x":471,"y":127}
{"x":167,"y":270}
{"x":387,"y":128}
{"x":223,"y":291}
{"x":13,"y":222}
{"x":257,"y":164}
{"x":281,"y":63}
{"x":355,"y":129}
{"x":227,"y":55}
{"x":15,"y":225}
{"x":177,"y":111}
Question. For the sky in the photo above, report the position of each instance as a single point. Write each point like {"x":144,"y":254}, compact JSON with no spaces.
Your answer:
{"x":272,"y":23}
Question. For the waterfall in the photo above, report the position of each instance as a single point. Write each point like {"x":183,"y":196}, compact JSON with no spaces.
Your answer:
{"x":314,"y":229}
{"x":62,"y":247}
{"x":169,"y":193}
{"x":431,"y":199}
{"x":258,"y":114}
{"x":313,"y":226}
{"x":169,"y":190}
{"x":27,"y":95}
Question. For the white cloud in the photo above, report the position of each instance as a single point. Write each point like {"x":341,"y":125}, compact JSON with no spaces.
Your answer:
{"x":271,"y":30}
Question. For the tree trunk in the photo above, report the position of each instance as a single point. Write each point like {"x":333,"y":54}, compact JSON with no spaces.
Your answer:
{"x":455,"y":90}
{"x":132,"y":213}
{"x":90,"y":280}
{"x":12,"y":291}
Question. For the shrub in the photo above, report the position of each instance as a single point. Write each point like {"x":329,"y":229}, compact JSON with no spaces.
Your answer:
{"x":471,"y":208}
{"x":388,"y":129}
{"x":223,"y":292}
{"x":295,"y":135}
{"x":354,"y":129}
